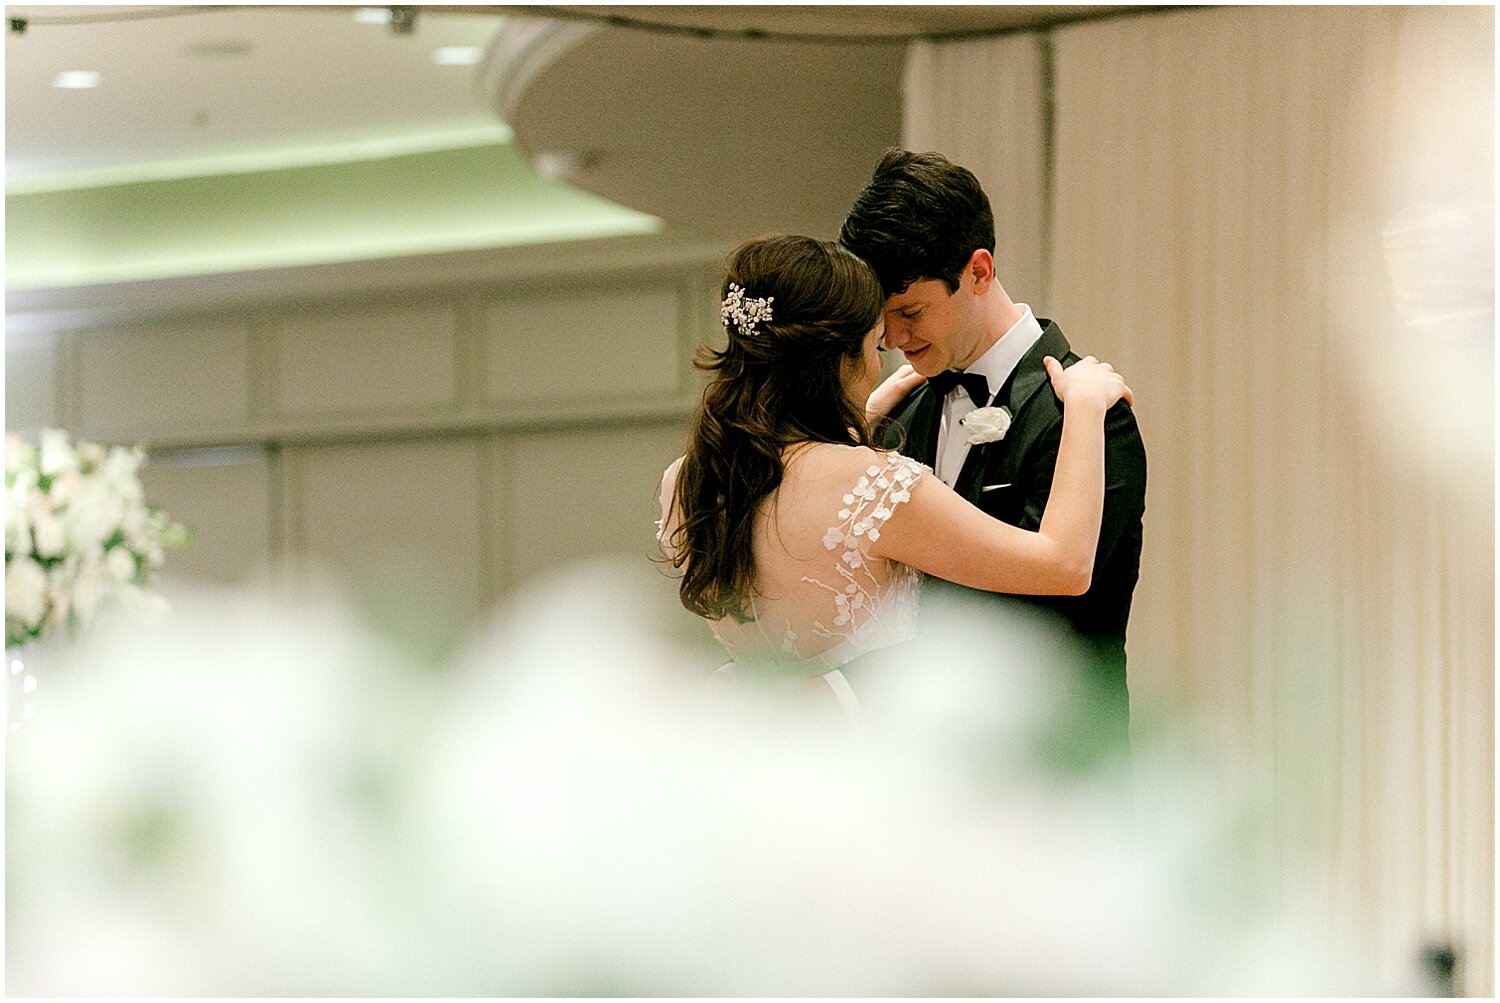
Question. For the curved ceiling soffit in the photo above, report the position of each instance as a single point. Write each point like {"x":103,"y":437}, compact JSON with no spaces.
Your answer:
{"x":723,"y":139}
{"x":521,"y":49}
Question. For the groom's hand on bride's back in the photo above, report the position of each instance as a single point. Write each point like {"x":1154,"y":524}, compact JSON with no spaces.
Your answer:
{"x":892,"y":391}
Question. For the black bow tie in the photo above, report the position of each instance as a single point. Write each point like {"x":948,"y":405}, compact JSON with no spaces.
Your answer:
{"x":975,"y":383}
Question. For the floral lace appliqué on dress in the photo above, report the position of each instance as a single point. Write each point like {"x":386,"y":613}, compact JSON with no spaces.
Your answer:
{"x":841,"y":603}
{"x":867,"y":608}
{"x":821,"y":599}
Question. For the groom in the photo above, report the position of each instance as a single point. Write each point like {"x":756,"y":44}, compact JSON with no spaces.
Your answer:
{"x":926,"y":227}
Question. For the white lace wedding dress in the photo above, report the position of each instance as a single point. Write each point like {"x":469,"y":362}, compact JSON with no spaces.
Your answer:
{"x":822,"y":600}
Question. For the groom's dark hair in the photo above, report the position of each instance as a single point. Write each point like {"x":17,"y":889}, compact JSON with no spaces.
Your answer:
{"x":920,"y":217}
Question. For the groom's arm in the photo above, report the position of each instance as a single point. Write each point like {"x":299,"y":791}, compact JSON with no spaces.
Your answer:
{"x":894,"y":432}
{"x":1124,"y":479}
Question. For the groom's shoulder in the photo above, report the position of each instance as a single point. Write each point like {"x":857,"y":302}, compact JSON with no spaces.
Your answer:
{"x":1044,"y":409}
{"x":892,"y":431}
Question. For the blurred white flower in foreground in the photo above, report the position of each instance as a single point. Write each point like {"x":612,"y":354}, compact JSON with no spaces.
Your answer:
{"x":259,"y":797}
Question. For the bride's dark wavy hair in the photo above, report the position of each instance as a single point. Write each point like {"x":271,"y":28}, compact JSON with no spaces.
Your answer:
{"x":781,"y":385}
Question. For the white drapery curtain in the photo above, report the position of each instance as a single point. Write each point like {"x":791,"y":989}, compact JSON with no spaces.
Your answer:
{"x":1278,"y":223}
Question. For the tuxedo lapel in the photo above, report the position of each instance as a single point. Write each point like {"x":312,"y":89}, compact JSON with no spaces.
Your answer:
{"x":1030,"y":375}
{"x":1025,"y":380}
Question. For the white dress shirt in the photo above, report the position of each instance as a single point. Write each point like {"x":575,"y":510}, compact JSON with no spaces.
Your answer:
{"x":995,"y":365}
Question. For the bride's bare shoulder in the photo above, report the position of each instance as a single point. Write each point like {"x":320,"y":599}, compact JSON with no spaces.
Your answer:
{"x":820,"y":461}
{"x":669,"y":480}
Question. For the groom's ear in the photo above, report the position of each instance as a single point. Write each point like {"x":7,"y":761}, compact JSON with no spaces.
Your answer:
{"x":982,"y":266}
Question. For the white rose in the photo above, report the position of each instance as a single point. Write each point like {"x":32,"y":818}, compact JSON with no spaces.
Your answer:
{"x":985,"y":424}
{"x":61,"y":602}
{"x":90,"y":453}
{"x":93,"y":516}
{"x":17,"y":528}
{"x":60,"y":578}
{"x":57,"y":454}
{"x":25,"y":591}
{"x":137,"y":527}
{"x":19,"y":455}
{"x":51,"y":536}
{"x":153,"y":553}
{"x":121,"y":564}
{"x":21,"y":485}
{"x":65,"y":487}
{"x":143,"y":604}
{"x":90,"y":588}
{"x":119,"y":471}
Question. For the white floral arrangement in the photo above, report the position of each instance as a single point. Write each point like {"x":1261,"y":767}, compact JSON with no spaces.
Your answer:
{"x":78,"y":534}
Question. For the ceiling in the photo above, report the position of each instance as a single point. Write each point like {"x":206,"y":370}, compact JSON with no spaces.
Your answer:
{"x":188,"y":92}
{"x":723,"y":139}
{"x":893,"y":22}
{"x":221,"y":142}
{"x":219,"y":133}
{"x":725,"y":122}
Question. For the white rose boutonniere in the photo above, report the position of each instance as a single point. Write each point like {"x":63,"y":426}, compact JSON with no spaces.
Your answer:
{"x":985,"y":424}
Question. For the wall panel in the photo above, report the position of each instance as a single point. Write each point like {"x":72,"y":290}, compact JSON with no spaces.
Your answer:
{"x":399,"y":520}
{"x":580,"y":495}
{"x":31,"y":384}
{"x":437,"y":442}
{"x":562,"y":349}
{"x":389,"y":358}
{"x":224,"y":497}
{"x":144,"y":380}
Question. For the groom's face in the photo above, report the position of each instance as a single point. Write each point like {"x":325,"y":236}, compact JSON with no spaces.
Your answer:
{"x":931,"y":326}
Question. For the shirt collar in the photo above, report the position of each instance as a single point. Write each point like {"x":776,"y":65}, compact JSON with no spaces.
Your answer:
{"x":1001,"y":358}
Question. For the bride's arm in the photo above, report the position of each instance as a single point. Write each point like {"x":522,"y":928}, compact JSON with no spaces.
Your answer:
{"x":666,"y":495}
{"x":943,"y":535}
{"x":892,"y":391}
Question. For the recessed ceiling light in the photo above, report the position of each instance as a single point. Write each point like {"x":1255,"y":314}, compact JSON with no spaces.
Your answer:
{"x":76,"y":80}
{"x":457,"y":55}
{"x":372,"y":15}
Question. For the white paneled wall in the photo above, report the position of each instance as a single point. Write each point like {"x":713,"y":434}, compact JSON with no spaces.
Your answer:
{"x":228,"y":498}
{"x":405,"y":510}
{"x":393,"y":358}
{"x":159,"y":380}
{"x":445,"y":443}
{"x":548,"y":349}
{"x":585,"y":480}
{"x":1279,"y":223}
{"x":32,"y":381}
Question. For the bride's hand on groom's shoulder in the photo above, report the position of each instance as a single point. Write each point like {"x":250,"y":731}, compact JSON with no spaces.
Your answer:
{"x":892,"y":391}
{"x":1088,"y":383}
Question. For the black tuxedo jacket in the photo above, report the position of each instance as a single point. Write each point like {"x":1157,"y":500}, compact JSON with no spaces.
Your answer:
{"x":1011,"y":480}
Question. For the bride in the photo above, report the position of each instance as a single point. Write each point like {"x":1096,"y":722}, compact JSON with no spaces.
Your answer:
{"x":801,"y":543}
